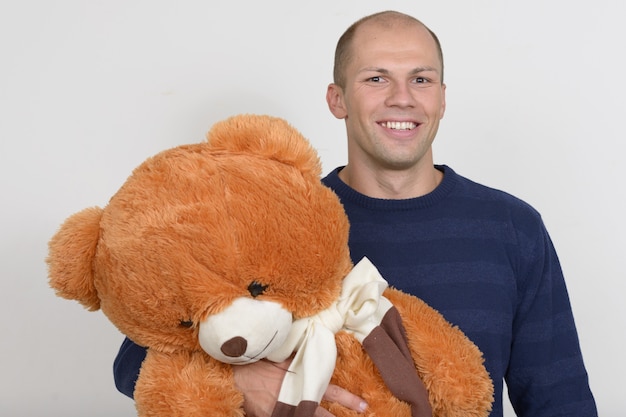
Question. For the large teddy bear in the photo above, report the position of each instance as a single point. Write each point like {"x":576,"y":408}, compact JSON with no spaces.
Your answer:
{"x":222,"y":253}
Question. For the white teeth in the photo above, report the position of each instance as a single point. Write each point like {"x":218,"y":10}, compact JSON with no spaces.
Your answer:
{"x":399,"y":125}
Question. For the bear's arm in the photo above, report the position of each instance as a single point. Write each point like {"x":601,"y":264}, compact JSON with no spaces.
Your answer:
{"x":186,"y":384}
{"x":450,"y":365}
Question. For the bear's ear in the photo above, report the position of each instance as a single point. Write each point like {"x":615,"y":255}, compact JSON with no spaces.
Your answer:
{"x":70,"y":258}
{"x":266,"y":136}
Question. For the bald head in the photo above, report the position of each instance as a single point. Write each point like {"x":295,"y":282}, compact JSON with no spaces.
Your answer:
{"x":386,"y":20}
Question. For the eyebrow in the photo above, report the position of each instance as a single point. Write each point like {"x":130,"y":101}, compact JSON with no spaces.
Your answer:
{"x":414,"y":71}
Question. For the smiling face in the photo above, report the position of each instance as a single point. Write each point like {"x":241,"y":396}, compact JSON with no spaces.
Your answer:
{"x":393,"y":97}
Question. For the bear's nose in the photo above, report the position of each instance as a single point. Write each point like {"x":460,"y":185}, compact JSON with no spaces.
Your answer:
{"x":234,"y":347}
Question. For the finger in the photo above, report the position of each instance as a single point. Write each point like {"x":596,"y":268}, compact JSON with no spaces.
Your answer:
{"x":345,"y":398}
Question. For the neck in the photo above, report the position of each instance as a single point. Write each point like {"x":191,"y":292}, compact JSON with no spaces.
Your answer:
{"x":392,"y":184}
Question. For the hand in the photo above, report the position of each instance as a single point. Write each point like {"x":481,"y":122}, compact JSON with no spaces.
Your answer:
{"x":260,"y":384}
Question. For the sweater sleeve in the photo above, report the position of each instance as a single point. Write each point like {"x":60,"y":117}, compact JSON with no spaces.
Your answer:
{"x":546,"y":375}
{"x":127,"y":365}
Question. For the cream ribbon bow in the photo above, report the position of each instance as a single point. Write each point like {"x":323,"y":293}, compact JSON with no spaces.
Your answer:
{"x":359,"y":309}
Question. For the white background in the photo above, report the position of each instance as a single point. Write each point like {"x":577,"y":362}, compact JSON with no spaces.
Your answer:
{"x":89,"y":89}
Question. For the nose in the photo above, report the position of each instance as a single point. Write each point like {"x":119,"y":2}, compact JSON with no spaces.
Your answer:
{"x":400,"y":95}
{"x":234,"y":347}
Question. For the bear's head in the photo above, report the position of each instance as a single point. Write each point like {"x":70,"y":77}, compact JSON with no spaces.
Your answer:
{"x":216,"y":245}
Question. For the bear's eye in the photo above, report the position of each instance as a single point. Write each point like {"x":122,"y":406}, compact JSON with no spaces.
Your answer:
{"x":186,"y":323}
{"x":256,"y":288}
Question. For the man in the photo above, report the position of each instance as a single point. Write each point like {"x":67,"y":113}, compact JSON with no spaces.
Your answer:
{"x":480,"y":256}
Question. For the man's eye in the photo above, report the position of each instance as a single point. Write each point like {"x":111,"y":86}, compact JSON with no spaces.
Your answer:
{"x":421,"y":80}
{"x":375,"y":79}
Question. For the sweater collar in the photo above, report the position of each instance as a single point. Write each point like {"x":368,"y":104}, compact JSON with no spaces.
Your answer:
{"x":348,"y":195}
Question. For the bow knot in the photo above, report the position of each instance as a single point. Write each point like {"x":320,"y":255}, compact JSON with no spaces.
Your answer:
{"x":363,"y":311}
{"x":358,"y":310}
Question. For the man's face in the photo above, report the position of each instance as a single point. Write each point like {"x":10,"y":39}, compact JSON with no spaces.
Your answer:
{"x":393,"y":98}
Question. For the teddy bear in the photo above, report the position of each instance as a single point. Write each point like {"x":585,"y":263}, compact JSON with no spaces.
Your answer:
{"x":229,"y":251}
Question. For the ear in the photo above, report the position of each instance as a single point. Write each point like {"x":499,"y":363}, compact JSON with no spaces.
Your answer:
{"x":70,"y":258}
{"x":268,"y":137}
{"x":443,"y":101}
{"x":334,"y":98}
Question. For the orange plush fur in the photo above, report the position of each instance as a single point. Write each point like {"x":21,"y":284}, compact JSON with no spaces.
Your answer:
{"x":194,"y":226}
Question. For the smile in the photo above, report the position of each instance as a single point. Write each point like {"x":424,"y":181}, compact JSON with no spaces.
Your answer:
{"x":254,"y":357}
{"x":399,"y":125}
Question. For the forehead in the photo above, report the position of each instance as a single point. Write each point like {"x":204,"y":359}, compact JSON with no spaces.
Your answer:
{"x":376,"y":44}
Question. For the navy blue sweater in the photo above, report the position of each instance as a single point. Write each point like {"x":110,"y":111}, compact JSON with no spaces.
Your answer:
{"x":483,"y":258}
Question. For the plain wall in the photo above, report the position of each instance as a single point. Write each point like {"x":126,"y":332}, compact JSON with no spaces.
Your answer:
{"x":89,"y":89}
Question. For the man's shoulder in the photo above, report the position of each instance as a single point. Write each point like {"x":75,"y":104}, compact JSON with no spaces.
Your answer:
{"x":482,"y":194}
